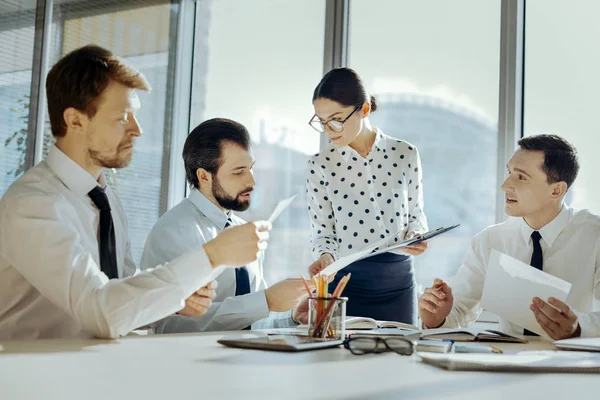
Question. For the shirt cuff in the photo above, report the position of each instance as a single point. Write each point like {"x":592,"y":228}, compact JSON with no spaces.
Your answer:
{"x":193,"y":270}
{"x":255,"y":305}
{"x":291,"y":321}
{"x":417,"y":227}
{"x":318,"y":251}
{"x":587,"y":324}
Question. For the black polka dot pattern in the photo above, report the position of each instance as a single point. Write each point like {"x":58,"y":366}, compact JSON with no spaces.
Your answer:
{"x":366,"y":198}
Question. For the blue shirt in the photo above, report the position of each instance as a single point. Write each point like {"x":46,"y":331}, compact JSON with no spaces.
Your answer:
{"x":193,"y":222}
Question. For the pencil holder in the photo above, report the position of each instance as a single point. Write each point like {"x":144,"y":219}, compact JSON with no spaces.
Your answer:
{"x":327,"y":317}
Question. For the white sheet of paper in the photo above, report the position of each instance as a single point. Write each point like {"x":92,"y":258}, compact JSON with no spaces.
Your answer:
{"x":395,"y":246}
{"x":345,"y":261}
{"x":510,"y":285}
{"x":281,"y":206}
{"x":411,"y":241}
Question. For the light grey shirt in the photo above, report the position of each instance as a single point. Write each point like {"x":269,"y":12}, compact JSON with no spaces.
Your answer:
{"x":191,"y":223}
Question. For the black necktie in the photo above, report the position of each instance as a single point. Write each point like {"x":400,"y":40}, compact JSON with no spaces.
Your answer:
{"x":106,"y":233}
{"x":537,"y":261}
{"x":242,"y":279}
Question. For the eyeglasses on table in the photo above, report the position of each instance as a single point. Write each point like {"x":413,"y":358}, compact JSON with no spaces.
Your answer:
{"x":366,"y":345}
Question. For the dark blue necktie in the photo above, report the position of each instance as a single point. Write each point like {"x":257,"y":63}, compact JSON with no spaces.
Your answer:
{"x":242,"y":279}
{"x":537,"y":261}
{"x":106,"y":233}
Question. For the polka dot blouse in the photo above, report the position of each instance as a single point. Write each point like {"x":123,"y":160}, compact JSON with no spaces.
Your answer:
{"x":355,"y":201}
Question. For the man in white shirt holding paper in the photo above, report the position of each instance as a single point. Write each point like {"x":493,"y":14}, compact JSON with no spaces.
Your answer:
{"x":218,"y":162}
{"x":65,"y":263}
{"x":544,"y":233}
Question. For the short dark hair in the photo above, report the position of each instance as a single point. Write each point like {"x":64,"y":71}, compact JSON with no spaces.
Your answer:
{"x":561,"y":163}
{"x":344,"y":86}
{"x":203,"y":146}
{"x":78,"y":79}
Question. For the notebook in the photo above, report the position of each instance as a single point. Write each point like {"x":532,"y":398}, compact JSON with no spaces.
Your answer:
{"x":281,"y":343}
{"x":433,"y":346}
{"x":469,"y":335}
{"x":369,"y":323}
{"x":586,"y":344}
{"x":386,"y":332}
{"x":530,"y":361}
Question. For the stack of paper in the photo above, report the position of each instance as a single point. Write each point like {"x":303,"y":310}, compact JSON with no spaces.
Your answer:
{"x":538,"y":361}
{"x":586,"y":344}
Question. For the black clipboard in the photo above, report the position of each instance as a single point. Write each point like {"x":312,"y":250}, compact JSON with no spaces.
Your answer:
{"x":412,"y":241}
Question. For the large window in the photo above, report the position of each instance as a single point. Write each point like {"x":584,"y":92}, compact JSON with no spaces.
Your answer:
{"x":433,"y":65}
{"x":562,"y":84}
{"x":140,"y":33}
{"x":16,"y":58}
{"x":258,"y":62}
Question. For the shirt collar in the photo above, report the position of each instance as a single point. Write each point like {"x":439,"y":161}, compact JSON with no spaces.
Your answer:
{"x":74,"y":177}
{"x":379,"y":143}
{"x":209,"y":209}
{"x":551,"y":230}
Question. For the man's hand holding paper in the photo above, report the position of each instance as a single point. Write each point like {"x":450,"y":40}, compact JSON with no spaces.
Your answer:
{"x":511,"y":286}
{"x":556,"y":318}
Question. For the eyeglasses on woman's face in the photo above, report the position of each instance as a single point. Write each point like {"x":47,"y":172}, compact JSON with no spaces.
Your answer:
{"x":334,"y":125}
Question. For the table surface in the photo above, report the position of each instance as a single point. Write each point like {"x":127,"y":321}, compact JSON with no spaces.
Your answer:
{"x":181,"y":366}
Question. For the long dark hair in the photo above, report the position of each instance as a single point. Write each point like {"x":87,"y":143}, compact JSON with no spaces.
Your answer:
{"x":344,"y":86}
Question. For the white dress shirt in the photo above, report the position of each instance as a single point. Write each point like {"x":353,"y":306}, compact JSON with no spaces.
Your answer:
{"x":355,"y":201}
{"x":570,"y":252}
{"x":51,"y":285}
{"x":191,"y":223}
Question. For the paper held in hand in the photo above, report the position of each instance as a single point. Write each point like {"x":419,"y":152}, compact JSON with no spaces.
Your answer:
{"x":510,"y":286}
{"x":281,"y":206}
{"x":279,"y":209}
{"x":376,"y":248}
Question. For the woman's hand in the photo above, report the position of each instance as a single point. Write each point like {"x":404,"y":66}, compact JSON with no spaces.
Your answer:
{"x":319,"y":265}
{"x":416,"y":249}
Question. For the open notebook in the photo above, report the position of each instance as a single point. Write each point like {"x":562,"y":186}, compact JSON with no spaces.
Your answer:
{"x":530,"y":361}
{"x":358,"y":323}
{"x":469,"y":335}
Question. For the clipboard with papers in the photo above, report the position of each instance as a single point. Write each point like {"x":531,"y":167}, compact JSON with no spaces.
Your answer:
{"x":415,"y":240}
{"x":375,"y":249}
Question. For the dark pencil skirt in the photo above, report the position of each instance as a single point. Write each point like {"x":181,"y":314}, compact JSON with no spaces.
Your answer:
{"x":381,"y":287}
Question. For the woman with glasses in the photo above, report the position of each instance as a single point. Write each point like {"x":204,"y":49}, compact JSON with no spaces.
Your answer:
{"x":363,"y":187}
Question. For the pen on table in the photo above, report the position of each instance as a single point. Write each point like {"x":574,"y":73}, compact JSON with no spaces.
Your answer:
{"x":496,"y":350}
{"x":475,"y":348}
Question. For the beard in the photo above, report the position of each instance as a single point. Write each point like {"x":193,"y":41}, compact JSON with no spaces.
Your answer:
{"x":118,"y":160}
{"x":230,"y":202}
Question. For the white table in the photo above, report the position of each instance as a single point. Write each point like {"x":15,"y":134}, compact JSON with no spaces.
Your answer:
{"x":172,"y":367}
